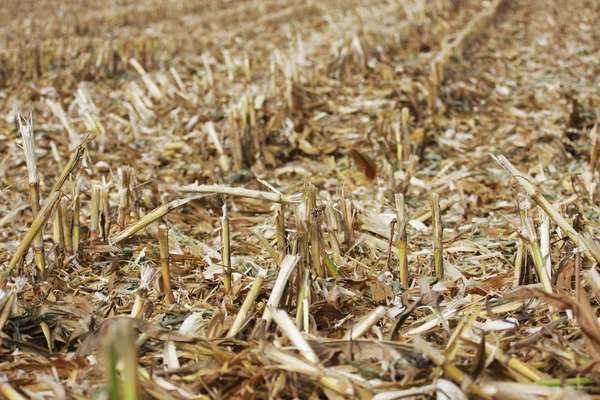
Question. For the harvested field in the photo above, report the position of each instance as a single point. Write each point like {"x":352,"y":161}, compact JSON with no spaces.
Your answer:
{"x":299,"y":199}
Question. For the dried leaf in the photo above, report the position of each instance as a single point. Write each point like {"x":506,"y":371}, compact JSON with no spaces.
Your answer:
{"x":364,"y":163}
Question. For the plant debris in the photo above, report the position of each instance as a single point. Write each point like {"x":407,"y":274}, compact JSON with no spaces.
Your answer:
{"x":288,"y":199}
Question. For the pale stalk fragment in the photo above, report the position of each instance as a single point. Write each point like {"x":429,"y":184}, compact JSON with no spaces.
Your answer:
{"x":285,"y":271}
{"x":125,"y":180}
{"x":152,"y":88}
{"x":165,"y":263}
{"x":241,"y":192}
{"x":332,"y":230}
{"x":592,"y":277}
{"x":348,"y":219}
{"x":147,"y":274}
{"x":283,"y":320}
{"x":59,"y":113}
{"x":178,"y":80}
{"x":229,"y":64}
{"x":226,"y":256}
{"x":545,"y":243}
{"x":246,"y":67}
{"x":26,"y":130}
{"x":365,"y":324}
{"x":302,"y":300}
{"x":593,"y":253}
{"x":248,"y":302}
{"x":209,"y":74}
{"x":315,"y":243}
{"x":224,"y":161}
{"x":237,"y":151}
{"x":267,"y":246}
{"x":437,"y":231}
{"x":519,"y":263}
{"x":528,"y":231}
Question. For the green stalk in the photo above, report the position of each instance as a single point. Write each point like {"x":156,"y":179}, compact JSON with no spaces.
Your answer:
{"x":248,"y":302}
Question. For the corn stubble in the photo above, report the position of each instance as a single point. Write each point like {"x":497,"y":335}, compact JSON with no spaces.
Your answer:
{"x":298,"y":205}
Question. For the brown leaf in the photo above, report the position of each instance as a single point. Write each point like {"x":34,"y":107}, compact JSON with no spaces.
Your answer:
{"x":364,"y":163}
{"x":379,"y":290}
{"x":79,"y":302}
{"x":326,"y":314}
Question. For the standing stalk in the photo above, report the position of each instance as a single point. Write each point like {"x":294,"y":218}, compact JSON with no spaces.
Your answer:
{"x":124,"y":192}
{"x":66,"y":227}
{"x":280,"y":231}
{"x":402,"y":242}
{"x":519,"y":263}
{"x":303,"y":291}
{"x":26,"y":129}
{"x":76,"y":215}
{"x":534,"y":247}
{"x":405,"y":134}
{"x":95,"y":212}
{"x":163,"y":244}
{"x":58,"y":235}
{"x":226,"y":256}
{"x":121,"y":354}
{"x":398,"y":134}
{"x":438,"y":249}
{"x":104,"y":211}
{"x":545,"y":243}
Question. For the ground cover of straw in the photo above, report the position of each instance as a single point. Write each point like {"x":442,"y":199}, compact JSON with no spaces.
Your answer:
{"x":290,"y":199}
